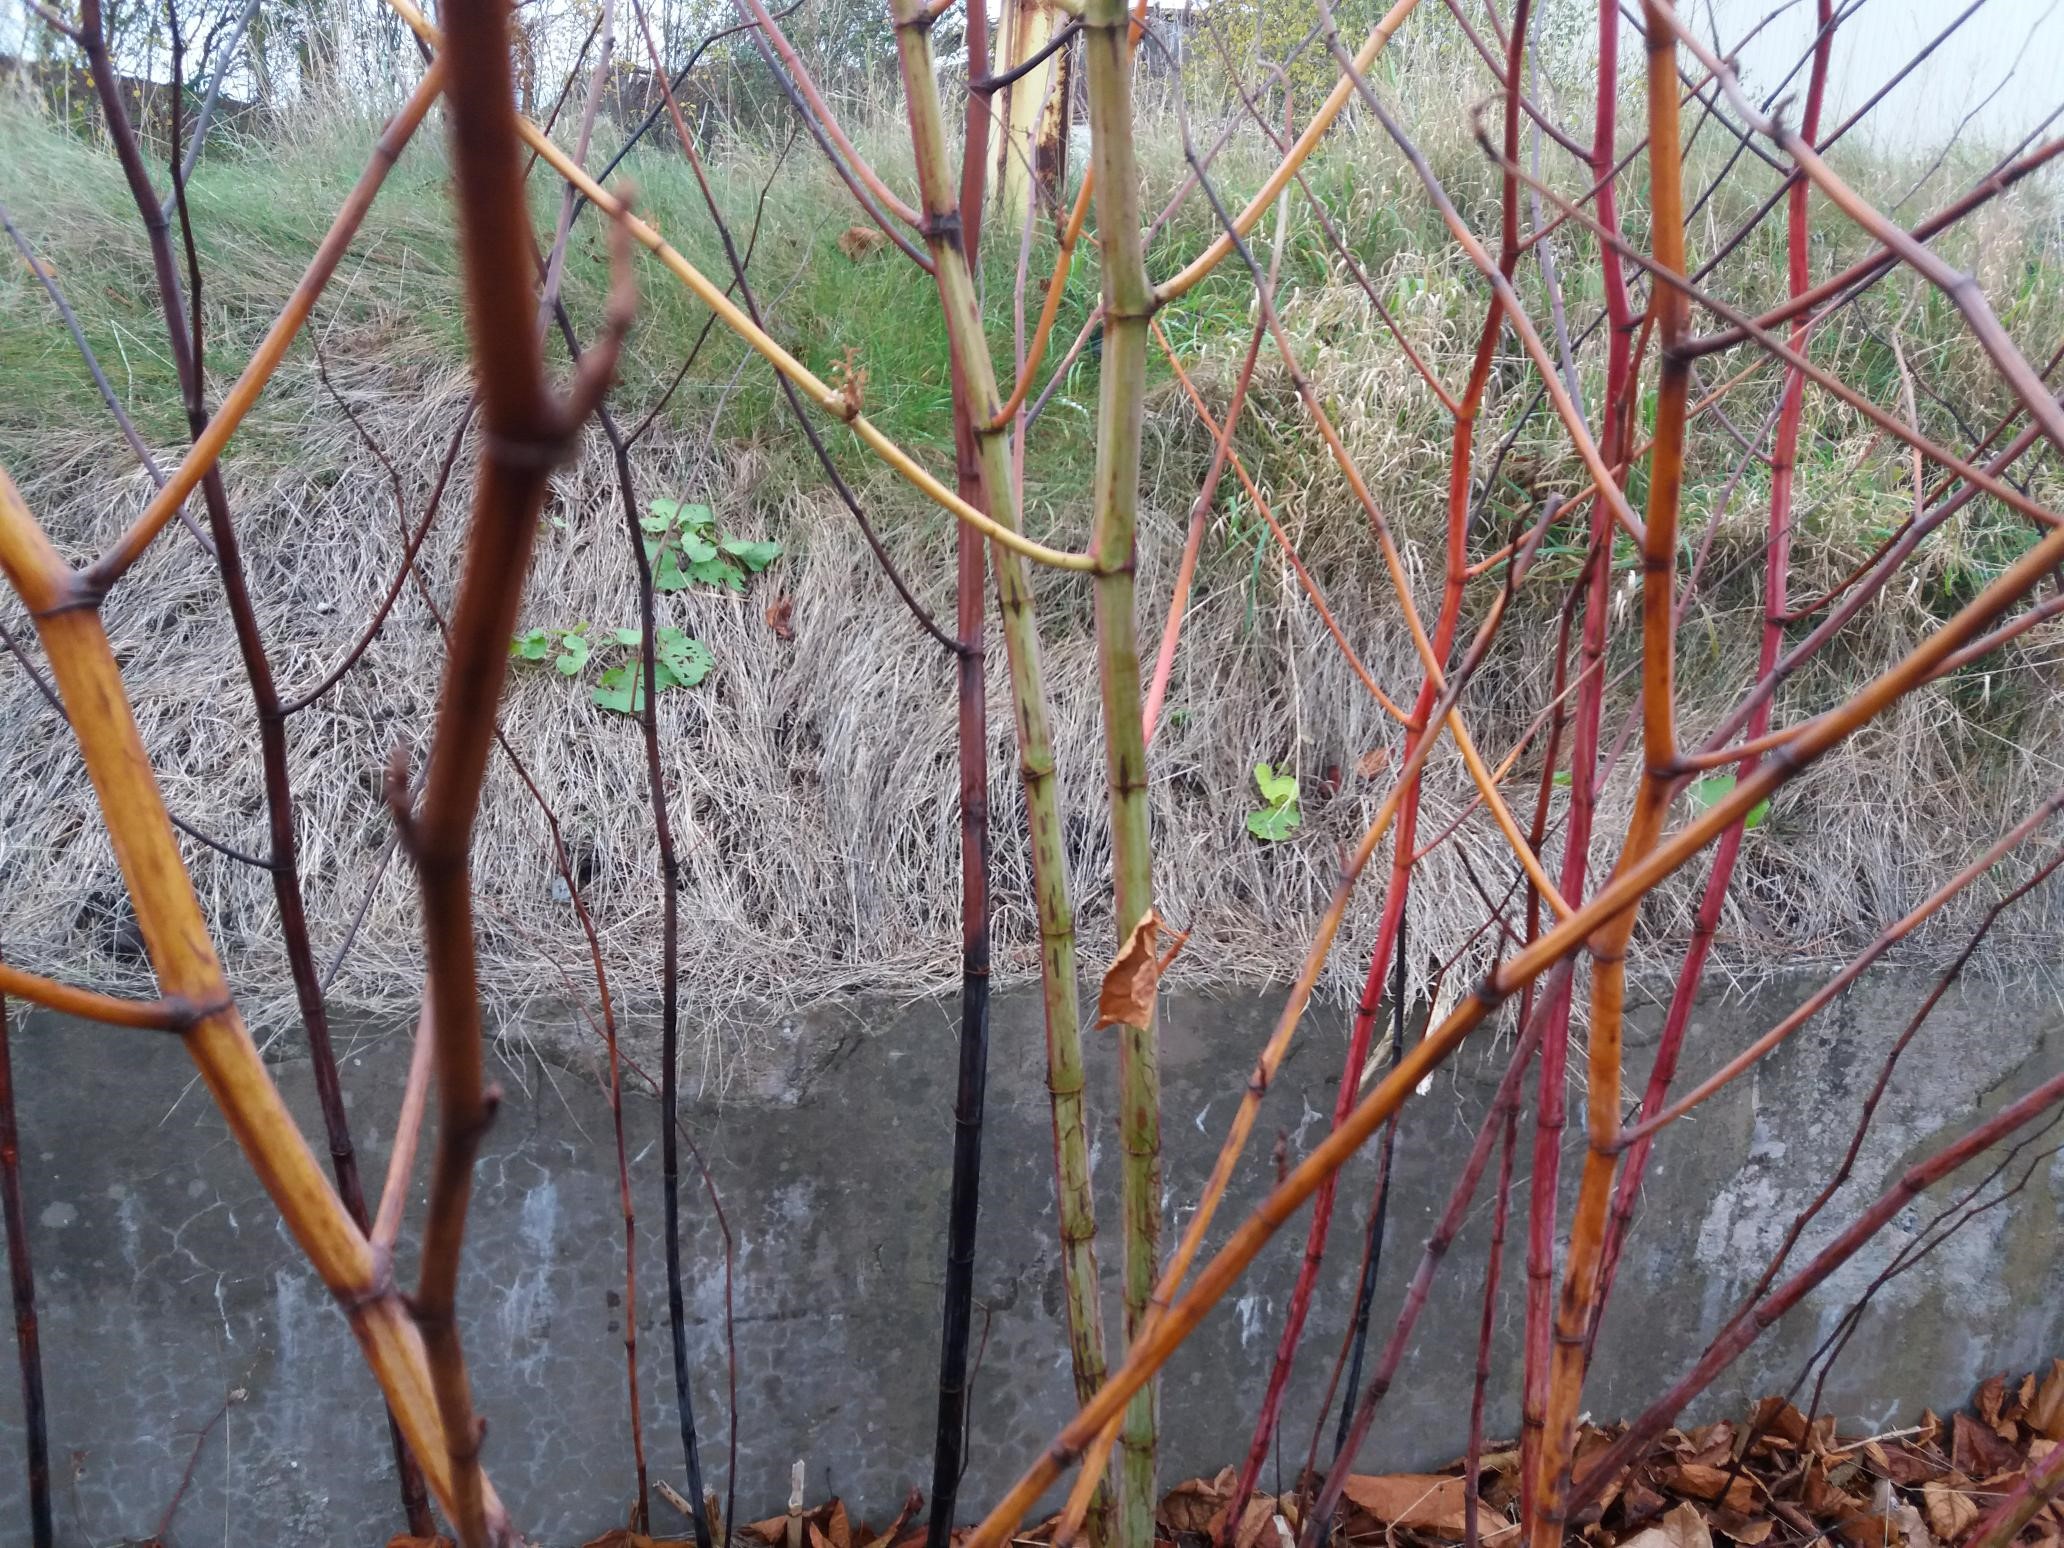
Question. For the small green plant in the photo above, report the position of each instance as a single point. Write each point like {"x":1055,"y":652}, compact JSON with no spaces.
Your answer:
{"x":1279,"y":818}
{"x":687,"y":548}
{"x":568,"y":648}
{"x":677,"y":662}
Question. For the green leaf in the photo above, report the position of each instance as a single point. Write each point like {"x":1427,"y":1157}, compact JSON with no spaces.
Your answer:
{"x":698,"y":517}
{"x":1711,"y":791}
{"x":1273,"y":824}
{"x":534,"y":646}
{"x":1279,"y":819}
{"x":668,"y":575}
{"x":622,"y":689}
{"x":1714,"y":788}
{"x":659,"y":515}
{"x":573,"y":652}
{"x":697,"y":550}
{"x":1562,"y":778}
{"x":754,"y":556}
{"x":687,"y":660}
{"x":718,"y":571}
{"x":1276,"y":789}
{"x":631,"y":637}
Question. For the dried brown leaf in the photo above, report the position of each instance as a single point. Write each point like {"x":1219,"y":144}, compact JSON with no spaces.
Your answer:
{"x":1256,"y":1523}
{"x":1978,"y":1450}
{"x":1372,"y":762}
{"x":2022,"y":1400}
{"x":1591,"y":1443}
{"x":913,"y":1502}
{"x":1951,"y":1512}
{"x":1825,"y":1500}
{"x":1127,"y":997}
{"x":1640,"y":1502}
{"x":1990,"y":1399}
{"x":1711,"y":1484}
{"x":2046,"y":1413}
{"x":1749,"y":1531}
{"x":781,"y":618}
{"x":1683,"y":1527}
{"x":858,"y":242}
{"x":1779,"y":1420}
{"x":1192,"y":1505}
{"x":1906,"y":1521}
{"x":1424,"y":1502}
{"x":1903,"y":1464}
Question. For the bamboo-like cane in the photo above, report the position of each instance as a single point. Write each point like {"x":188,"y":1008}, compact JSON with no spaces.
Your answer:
{"x":2036,"y":1489}
{"x":1751,"y":1321}
{"x":1128,"y":304}
{"x":282,"y":853}
{"x":1271,"y":1057}
{"x":1961,"y":289}
{"x":1221,"y":246}
{"x":1030,"y":706}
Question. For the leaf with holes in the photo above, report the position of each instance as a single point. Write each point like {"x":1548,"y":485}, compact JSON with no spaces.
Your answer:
{"x":688,"y":660}
{"x":717,"y":571}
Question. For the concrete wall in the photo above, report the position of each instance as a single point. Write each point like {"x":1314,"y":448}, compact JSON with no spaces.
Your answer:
{"x":168,"y":1285}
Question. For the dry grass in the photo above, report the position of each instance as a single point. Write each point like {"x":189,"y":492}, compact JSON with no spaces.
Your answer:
{"x":813,"y":781}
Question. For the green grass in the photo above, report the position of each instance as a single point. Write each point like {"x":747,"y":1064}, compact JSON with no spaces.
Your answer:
{"x":259,"y":212}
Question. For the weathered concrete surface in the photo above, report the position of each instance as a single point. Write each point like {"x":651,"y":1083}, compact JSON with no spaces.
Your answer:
{"x":167,"y":1283}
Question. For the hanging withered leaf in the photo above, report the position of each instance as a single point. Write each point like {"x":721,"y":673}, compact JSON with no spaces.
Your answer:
{"x":781,"y":618}
{"x":1127,"y":998}
{"x":858,"y":242}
